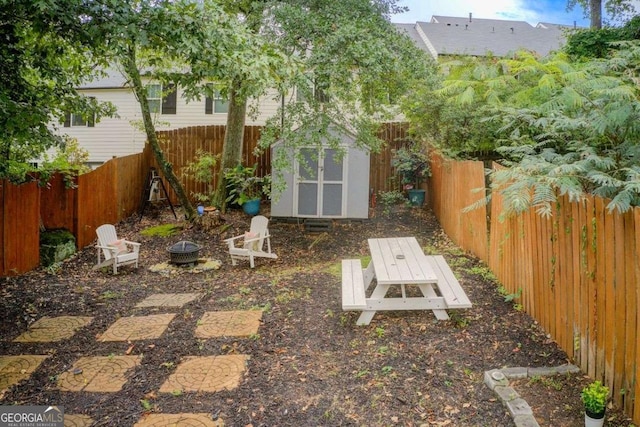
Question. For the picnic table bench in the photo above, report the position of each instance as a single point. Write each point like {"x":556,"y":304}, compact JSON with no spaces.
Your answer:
{"x":400,"y":261}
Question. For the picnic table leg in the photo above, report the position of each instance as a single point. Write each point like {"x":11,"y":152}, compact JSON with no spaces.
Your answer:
{"x":428,"y":291}
{"x":368,"y":275}
{"x":378,"y":294}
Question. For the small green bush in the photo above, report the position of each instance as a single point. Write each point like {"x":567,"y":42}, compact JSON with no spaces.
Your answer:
{"x":56,"y":246}
{"x":594,"y":397}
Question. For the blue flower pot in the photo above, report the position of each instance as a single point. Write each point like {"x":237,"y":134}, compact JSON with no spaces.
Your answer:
{"x":416,"y":197}
{"x":252,"y":207}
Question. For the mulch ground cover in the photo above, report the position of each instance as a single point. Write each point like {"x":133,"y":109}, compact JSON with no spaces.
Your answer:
{"x":309,"y":364}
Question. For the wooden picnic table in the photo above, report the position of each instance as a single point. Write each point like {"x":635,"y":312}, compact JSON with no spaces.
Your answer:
{"x":400,"y":261}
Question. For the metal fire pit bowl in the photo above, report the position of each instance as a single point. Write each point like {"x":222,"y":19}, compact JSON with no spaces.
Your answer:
{"x":184,"y":252}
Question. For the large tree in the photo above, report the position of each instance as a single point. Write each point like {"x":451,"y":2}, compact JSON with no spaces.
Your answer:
{"x":620,"y":10}
{"x":351,"y":66}
{"x":347,"y":53}
{"x":46,"y":53}
{"x":185,"y":44}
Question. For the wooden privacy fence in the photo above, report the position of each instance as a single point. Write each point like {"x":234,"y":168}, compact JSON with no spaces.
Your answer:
{"x":105,"y":195}
{"x":451,"y":190}
{"x":579,"y":276}
{"x":114,"y":191}
{"x":19,"y":228}
{"x":181,"y":147}
{"x":578,"y":273}
{"x":382,"y":176}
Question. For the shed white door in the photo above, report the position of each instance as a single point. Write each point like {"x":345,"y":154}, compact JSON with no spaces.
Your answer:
{"x":320,"y":185}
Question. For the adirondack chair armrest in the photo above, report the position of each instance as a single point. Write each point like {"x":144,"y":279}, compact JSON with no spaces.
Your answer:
{"x":109,"y":248}
{"x":232,"y":240}
{"x":134,"y":245}
{"x":113,"y":253}
{"x":255,"y":239}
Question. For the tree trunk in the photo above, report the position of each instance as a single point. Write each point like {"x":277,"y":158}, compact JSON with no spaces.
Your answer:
{"x":131,"y":69}
{"x":595,"y":10}
{"x":233,"y":139}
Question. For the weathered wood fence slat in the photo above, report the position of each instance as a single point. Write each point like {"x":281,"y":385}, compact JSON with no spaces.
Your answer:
{"x":577,"y":273}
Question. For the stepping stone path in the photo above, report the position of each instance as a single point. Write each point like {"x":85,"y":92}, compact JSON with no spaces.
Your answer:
{"x":207,"y":374}
{"x":108,"y":374}
{"x":228,"y":324}
{"x":14,"y":369}
{"x":51,"y":329}
{"x":105,"y":374}
{"x":77,"y":420}
{"x":138,"y":328}
{"x":167,"y":300}
{"x":182,"y":420}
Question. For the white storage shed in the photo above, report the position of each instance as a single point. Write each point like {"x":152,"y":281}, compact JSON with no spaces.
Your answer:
{"x":333,"y":184}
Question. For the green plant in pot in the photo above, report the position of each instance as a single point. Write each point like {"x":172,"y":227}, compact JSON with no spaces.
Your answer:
{"x":594,"y":398}
{"x":412,"y":164}
{"x":245,"y":188}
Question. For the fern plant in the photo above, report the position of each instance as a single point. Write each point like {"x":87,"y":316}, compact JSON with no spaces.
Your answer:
{"x":565,"y":129}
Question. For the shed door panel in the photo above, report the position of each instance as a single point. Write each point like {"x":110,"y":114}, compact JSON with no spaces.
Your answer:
{"x":332,"y":173}
{"x":320,"y":183}
{"x":308,"y":199}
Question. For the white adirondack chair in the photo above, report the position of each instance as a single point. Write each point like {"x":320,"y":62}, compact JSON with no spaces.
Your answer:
{"x":252,"y":243}
{"x":116,"y":252}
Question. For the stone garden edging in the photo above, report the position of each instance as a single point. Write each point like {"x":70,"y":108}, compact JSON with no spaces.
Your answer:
{"x":498,"y":381}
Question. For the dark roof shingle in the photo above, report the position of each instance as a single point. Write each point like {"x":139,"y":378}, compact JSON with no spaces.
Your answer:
{"x":445,"y":35}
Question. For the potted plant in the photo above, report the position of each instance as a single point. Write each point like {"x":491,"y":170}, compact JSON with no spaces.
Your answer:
{"x":594,"y":398}
{"x":246,"y":189}
{"x":412,"y":164}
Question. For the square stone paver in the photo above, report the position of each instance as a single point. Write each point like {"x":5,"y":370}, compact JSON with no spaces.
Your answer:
{"x":207,"y":374}
{"x":14,"y":369}
{"x":228,"y":323}
{"x":182,"y":420}
{"x":51,"y":329}
{"x":77,"y":420}
{"x":137,"y":328}
{"x":167,"y":300}
{"x":98,"y":374}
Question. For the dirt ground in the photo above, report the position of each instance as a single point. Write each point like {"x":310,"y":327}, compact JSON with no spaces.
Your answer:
{"x":309,"y":365}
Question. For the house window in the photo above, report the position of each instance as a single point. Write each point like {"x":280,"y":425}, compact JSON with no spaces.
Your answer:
{"x":78,"y":120}
{"x":162,"y":99}
{"x":154,"y":97}
{"x":86,"y":119}
{"x":215,"y":104}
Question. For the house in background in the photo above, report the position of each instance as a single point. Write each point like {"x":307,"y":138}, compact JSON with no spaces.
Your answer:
{"x":124,"y":135}
{"x":445,"y":35}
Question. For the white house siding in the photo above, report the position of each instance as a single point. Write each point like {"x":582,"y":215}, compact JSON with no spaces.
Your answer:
{"x":111,"y":137}
{"x":118,"y":136}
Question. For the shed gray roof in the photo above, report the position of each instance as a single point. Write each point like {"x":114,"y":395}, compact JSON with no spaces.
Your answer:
{"x":446,"y":35}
